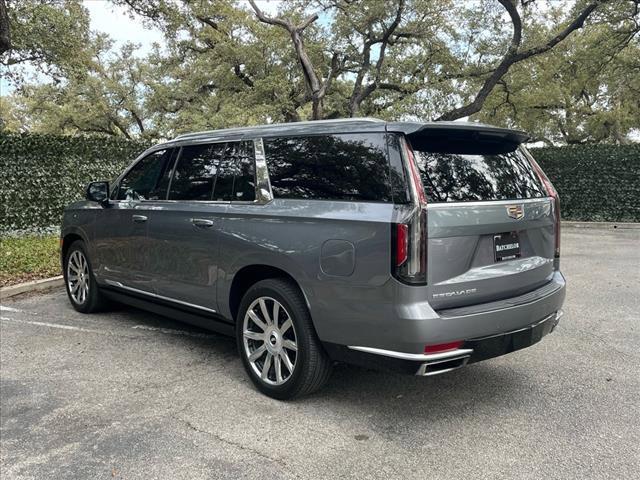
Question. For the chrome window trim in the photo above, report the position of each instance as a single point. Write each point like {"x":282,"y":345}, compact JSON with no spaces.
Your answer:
{"x":264,"y":194}
{"x":155,"y":295}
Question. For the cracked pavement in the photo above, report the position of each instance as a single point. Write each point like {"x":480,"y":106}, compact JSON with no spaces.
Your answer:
{"x":128,"y":394}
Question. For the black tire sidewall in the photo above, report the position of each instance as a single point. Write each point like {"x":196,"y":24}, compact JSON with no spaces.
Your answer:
{"x":302,"y":323}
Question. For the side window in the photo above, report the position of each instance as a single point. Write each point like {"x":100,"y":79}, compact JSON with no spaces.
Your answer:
{"x":351,"y":167}
{"x":194,"y":174}
{"x":244,"y":187}
{"x":219,"y":171}
{"x":148,"y":179}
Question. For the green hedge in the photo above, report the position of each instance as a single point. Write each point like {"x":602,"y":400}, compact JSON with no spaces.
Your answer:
{"x":595,"y":182}
{"x":40,"y":174}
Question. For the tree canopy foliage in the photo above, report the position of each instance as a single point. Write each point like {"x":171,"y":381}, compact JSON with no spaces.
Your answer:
{"x":568,"y":72}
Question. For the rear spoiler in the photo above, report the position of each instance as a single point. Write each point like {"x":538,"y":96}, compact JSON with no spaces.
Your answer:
{"x":459,"y":137}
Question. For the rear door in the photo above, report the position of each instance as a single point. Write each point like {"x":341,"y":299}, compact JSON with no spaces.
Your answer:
{"x":185,"y":236}
{"x":491,"y":224}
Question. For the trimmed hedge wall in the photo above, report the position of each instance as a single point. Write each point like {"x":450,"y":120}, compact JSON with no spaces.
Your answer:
{"x":595,"y":182}
{"x":40,"y":174}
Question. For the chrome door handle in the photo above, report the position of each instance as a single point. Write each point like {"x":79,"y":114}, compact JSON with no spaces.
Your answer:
{"x":202,"y":222}
{"x":139,"y":218}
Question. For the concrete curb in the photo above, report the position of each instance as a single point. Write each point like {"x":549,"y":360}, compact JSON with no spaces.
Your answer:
{"x":602,"y":225}
{"x":32,"y":286}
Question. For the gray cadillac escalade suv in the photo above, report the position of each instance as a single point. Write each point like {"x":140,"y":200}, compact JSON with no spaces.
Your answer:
{"x":417,"y":247}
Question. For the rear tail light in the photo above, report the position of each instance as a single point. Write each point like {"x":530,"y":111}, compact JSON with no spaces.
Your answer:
{"x":552,"y":192}
{"x":443,"y":347}
{"x":409,"y":240}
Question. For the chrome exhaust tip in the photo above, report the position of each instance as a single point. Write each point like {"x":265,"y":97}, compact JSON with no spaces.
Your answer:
{"x":436,"y":367}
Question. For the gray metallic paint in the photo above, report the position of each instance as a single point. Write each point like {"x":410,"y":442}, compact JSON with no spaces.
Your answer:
{"x":353,"y":298}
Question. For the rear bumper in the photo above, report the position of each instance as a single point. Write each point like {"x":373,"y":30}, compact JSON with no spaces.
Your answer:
{"x":473,"y":350}
{"x":488,"y":330}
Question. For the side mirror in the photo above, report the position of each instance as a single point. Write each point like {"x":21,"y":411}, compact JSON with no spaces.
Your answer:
{"x":98,"y":192}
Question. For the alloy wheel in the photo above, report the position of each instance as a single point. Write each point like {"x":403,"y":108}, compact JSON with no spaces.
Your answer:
{"x":270,"y":341}
{"x":78,"y":277}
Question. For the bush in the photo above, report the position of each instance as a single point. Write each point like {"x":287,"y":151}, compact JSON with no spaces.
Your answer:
{"x":595,"y":182}
{"x":43,"y":173}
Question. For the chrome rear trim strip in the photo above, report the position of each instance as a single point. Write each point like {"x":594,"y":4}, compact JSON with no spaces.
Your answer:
{"x":486,"y":203}
{"x":159,"y":297}
{"x":416,"y":357}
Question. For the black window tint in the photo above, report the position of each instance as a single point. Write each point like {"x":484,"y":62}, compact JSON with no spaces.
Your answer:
{"x":194,"y":174}
{"x":329,"y":167}
{"x":455,"y":177}
{"x":144,"y":181}
{"x":244,"y":186}
{"x":226,"y":160}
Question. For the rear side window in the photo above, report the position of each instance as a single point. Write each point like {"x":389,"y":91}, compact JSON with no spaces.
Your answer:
{"x":219,"y":171}
{"x":351,"y":167}
{"x":466,"y":177}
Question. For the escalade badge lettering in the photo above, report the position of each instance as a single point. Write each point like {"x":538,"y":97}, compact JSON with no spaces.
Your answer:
{"x":515,"y":211}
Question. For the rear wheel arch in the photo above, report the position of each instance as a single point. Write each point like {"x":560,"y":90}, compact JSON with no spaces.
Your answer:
{"x":248,"y":276}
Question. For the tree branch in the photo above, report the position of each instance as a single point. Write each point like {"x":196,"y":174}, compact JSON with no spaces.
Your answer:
{"x":513,"y":55}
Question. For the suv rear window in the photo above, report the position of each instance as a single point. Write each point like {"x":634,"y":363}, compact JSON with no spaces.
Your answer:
{"x":467,"y":177}
{"x":351,"y":167}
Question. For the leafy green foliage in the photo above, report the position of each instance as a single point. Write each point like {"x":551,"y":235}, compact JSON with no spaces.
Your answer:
{"x":595,"y":182}
{"x":28,"y":258}
{"x":43,"y":173}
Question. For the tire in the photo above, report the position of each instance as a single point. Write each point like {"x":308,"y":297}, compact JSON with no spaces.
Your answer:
{"x":80,"y":283}
{"x":311,"y":366}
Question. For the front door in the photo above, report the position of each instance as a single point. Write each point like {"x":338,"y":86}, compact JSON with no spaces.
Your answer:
{"x":121,"y":243}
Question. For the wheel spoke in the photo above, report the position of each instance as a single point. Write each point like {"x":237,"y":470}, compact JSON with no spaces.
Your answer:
{"x":254,"y":335}
{"x":276,"y":313}
{"x":291,"y":345}
{"x":257,"y":320}
{"x":278,"y":365}
{"x":74,"y":287}
{"x":266,"y":367}
{"x":72,"y":277}
{"x":257,"y":353}
{"x":265,"y":313}
{"x":287,"y":362}
{"x":286,"y":325}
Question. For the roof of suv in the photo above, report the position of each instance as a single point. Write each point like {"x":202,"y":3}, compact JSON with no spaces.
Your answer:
{"x":355,"y":125}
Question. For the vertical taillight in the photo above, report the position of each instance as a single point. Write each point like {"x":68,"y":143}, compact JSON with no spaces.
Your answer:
{"x":401,"y":247}
{"x":409,"y":240}
{"x":553,"y":193}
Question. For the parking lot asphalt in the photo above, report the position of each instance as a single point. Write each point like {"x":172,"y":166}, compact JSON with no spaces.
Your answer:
{"x":127,"y":394}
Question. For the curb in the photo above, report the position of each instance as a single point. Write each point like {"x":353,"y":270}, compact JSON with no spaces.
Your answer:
{"x":32,"y":286}
{"x":602,"y":225}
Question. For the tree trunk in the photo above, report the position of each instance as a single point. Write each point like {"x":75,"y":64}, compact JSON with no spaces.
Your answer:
{"x":5,"y":28}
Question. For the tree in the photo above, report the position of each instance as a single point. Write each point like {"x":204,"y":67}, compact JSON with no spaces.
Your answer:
{"x":49,"y":36}
{"x":586,"y":91}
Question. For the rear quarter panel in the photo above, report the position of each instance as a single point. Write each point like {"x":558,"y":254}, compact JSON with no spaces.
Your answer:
{"x":290,"y":234}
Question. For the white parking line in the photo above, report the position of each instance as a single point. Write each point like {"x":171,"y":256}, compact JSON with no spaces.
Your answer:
{"x":166,"y":331}
{"x":4,"y":308}
{"x":56,"y":325}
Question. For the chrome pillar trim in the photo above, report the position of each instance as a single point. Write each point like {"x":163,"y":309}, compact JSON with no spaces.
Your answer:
{"x":263,"y":185}
{"x":416,"y":357}
{"x":159,"y":297}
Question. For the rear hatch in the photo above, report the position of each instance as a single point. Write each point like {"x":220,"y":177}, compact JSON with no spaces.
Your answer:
{"x":491,"y":220}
